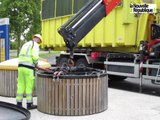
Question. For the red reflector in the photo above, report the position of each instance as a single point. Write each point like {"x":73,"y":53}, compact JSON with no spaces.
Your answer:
{"x":95,"y":55}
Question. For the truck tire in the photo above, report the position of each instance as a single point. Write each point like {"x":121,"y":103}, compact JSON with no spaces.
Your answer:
{"x":116,"y":78}
{"x":81,"y":63}
{"x":62,"y":62}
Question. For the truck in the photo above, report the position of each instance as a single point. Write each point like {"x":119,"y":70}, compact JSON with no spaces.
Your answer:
{"x":122,"y":36}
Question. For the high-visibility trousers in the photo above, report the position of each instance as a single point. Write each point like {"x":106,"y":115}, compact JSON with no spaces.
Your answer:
{"x":25,"y":84}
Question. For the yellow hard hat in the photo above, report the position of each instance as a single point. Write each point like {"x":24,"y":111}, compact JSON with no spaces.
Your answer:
{"x":38,"y":35}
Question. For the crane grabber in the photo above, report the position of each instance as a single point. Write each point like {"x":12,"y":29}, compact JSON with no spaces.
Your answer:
{"x":84,"y":20}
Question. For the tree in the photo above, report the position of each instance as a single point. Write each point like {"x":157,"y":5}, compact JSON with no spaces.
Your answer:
{"x":24,"y":18}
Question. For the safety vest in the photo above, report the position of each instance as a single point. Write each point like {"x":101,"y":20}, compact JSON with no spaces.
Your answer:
{"x":29,"y":54}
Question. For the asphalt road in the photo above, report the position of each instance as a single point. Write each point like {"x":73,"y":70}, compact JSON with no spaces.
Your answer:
{"x":132,"y":85}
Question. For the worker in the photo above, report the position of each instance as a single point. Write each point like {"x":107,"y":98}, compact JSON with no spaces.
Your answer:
{"x":27,"y":61}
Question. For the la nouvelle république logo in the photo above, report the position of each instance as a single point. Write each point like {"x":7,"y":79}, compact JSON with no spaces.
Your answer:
{"x":143,"y":8}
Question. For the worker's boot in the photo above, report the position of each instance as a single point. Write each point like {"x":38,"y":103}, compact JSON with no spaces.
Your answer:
{"x":30,"y":106}
{"x":19,"y":104}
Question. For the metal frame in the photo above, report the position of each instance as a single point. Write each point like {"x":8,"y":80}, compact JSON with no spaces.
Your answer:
{"x":147,"y":76}
{"x":81,"y":23}
{"x":136,"y":73}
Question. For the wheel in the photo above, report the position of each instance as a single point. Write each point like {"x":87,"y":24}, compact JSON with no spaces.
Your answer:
{"x":116,"y":78}
{"x":81,"y":63}
{"x":62,"y":62}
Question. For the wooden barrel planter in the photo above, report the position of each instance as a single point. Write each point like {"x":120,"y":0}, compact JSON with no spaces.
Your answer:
{"x":8,"y":77}
{"x":8,"y":83}
{"x":72,"y":94}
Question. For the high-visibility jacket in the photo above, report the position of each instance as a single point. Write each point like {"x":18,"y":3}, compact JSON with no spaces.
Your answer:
{"x":29,"y":54}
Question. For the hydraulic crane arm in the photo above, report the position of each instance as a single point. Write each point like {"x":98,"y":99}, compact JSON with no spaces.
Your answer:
{"x":80,"y":24}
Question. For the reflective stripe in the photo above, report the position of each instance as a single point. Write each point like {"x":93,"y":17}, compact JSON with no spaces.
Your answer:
{"x":29,"y":95}
{"x":27,"y":64}
{"x":29,"y":98}
{"x":29,"y":101}
{"x":25,"y":55}
{"x":21,"y":95}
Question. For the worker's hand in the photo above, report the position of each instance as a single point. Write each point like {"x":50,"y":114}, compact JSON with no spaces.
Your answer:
{"x":58,"y":73}
{"x":44,"y":69}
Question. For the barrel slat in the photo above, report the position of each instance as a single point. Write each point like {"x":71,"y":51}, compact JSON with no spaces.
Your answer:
{"x":102,"y":92}
{"x":91,"y":95}
{"x":12,"y":82}
{"x":40,"y":96}
{"x":5,"y":92}
{"x":7,"y":83}
{"x":48,"y":95}
{"x":94,"y":95}
{"x":43,"y":98}
{"x":60,"y":97}
{"x":72,"y":98}
{"x":80,"y":97}
{"x":41,"y":92}
{"x":97,"y":94}
{"x":45,"y":95}
{"x":64,"y":98}
{"x":106,"y":92}
{"x":56,"y":97}
{"x":2,"y":82}
{"x":68,"y":96}
{"x":87,"y":97}
{"x":76,"y":96}
{"x":53,"y":95}
{"x":84,"y":97}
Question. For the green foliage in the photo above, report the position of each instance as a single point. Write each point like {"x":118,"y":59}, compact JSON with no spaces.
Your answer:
{"x":24,"y":18}
{"x":14,"y":45}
